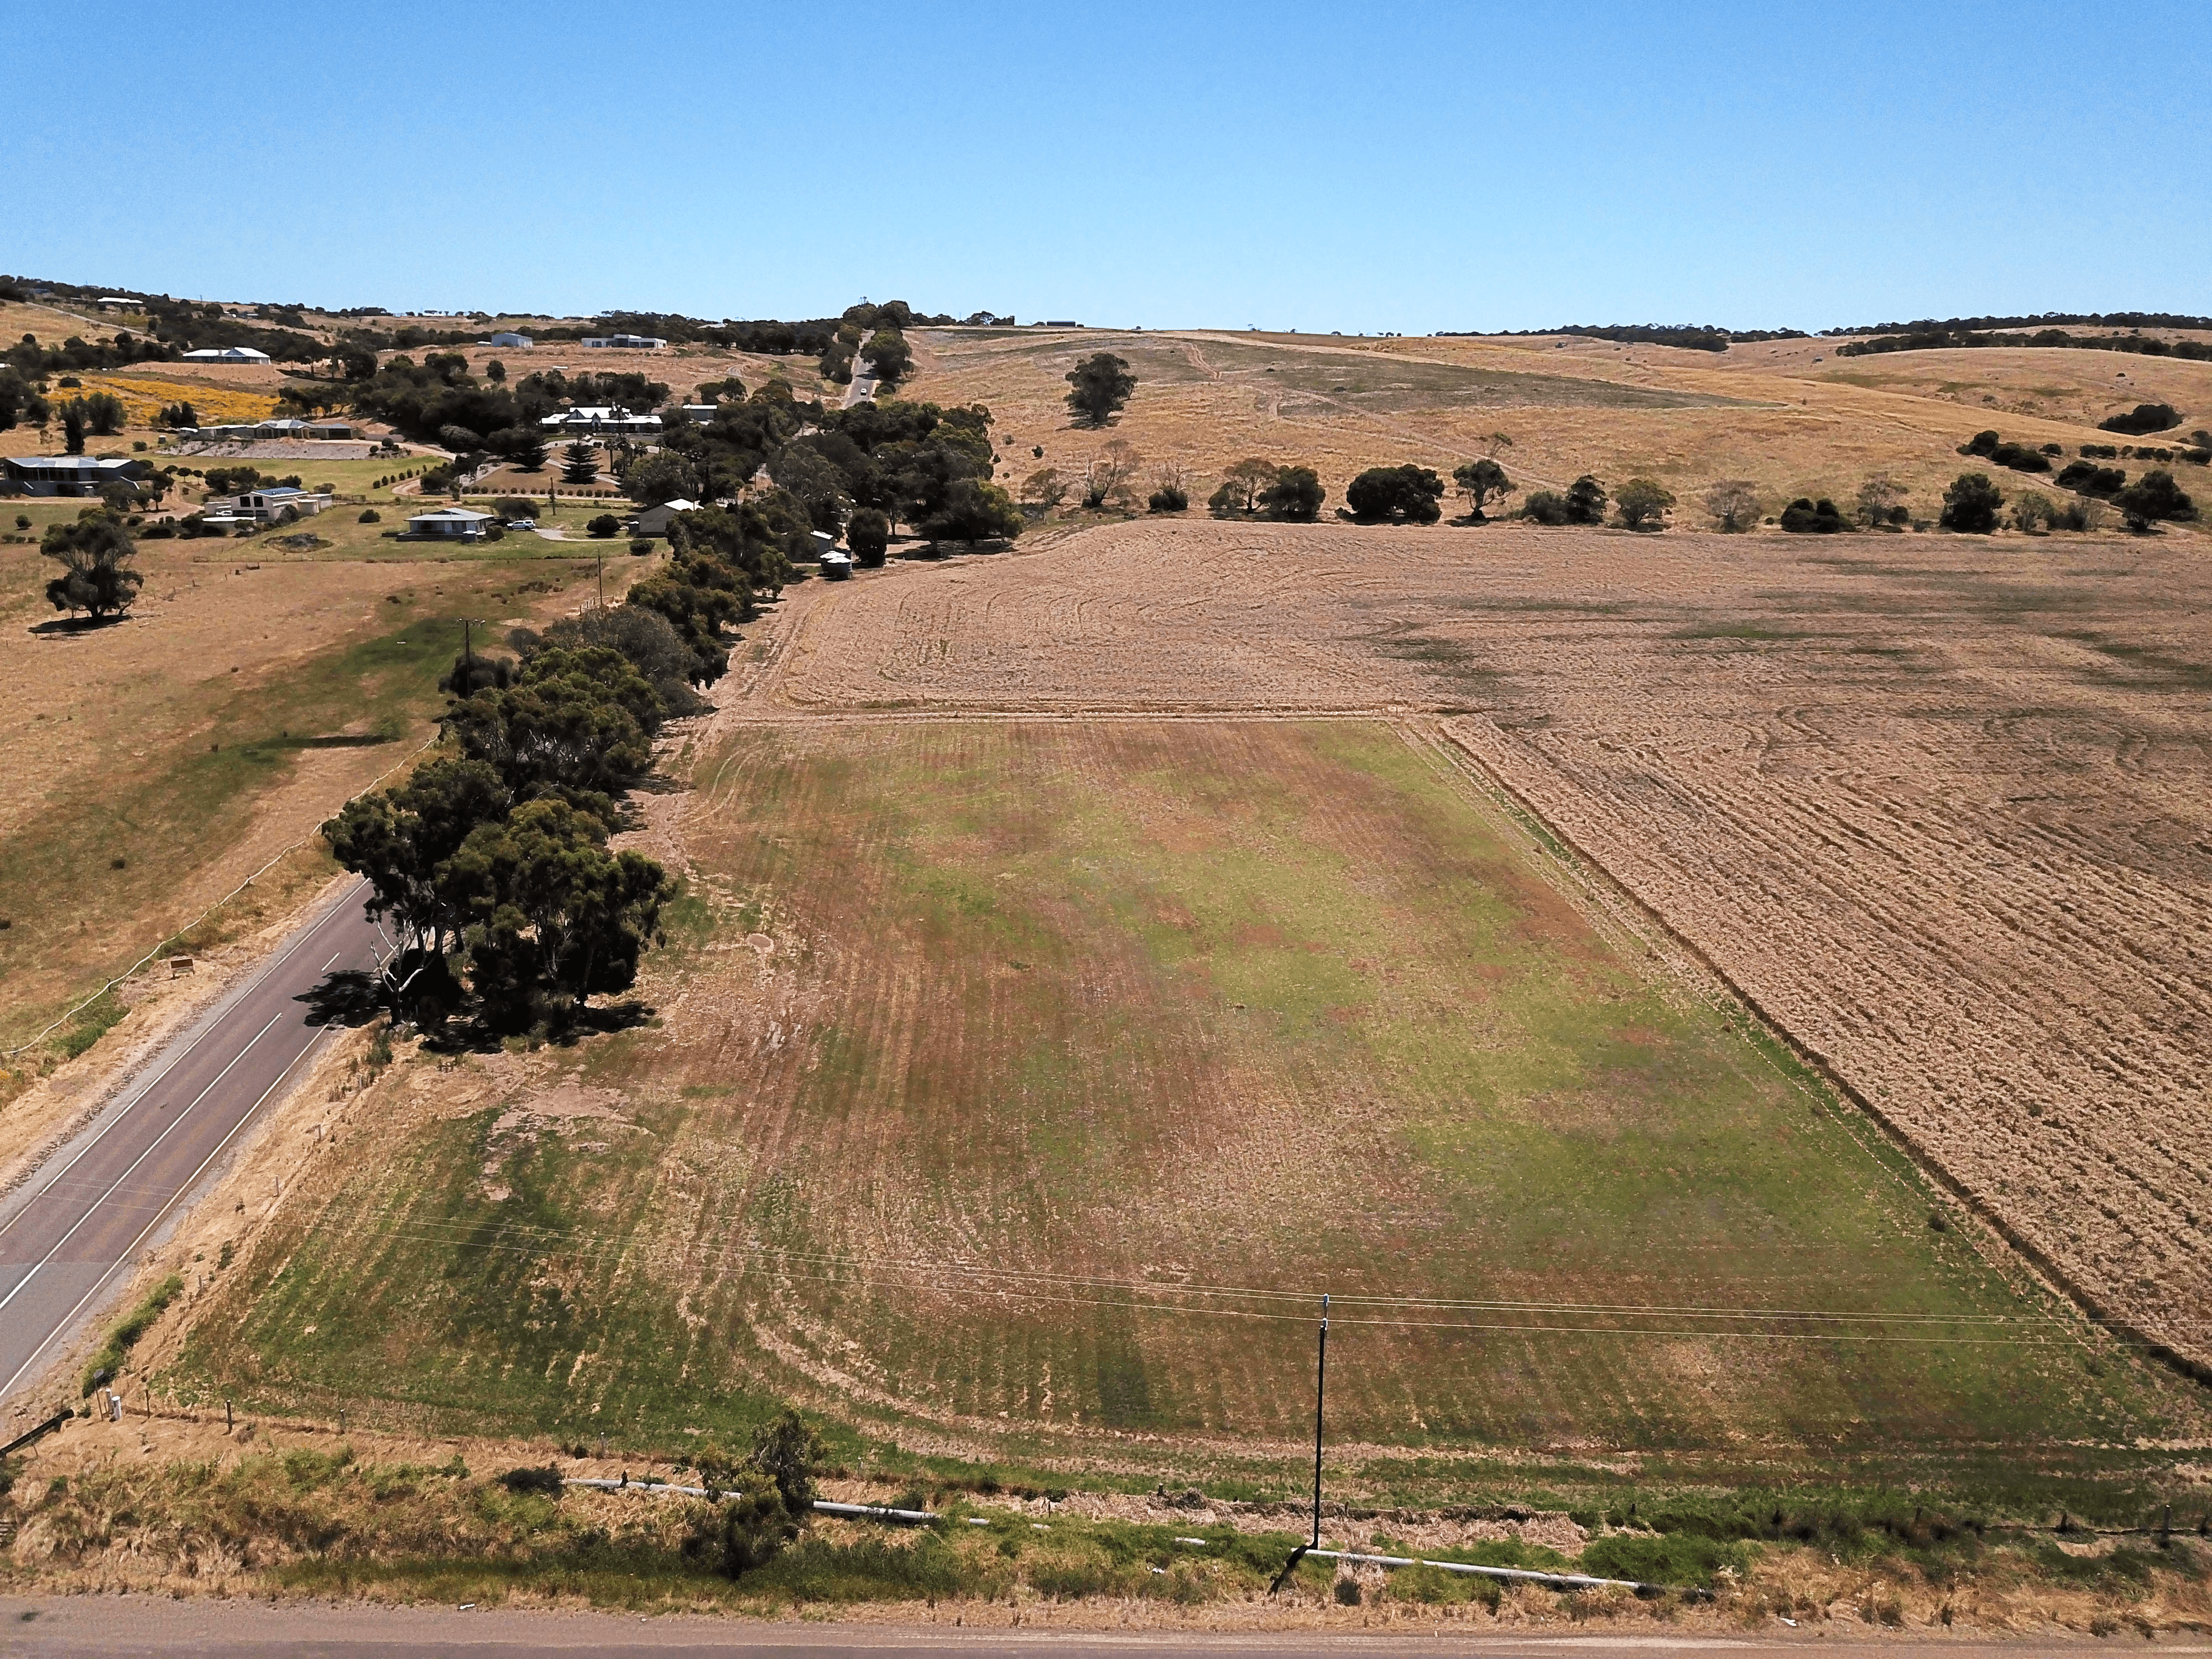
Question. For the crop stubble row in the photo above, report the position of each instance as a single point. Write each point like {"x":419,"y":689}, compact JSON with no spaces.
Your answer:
{"x":1940,"y":806}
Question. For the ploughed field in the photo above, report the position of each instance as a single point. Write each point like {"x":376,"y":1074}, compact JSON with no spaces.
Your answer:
{"x":1942,"y":807}
{"x":1017,"y":1084}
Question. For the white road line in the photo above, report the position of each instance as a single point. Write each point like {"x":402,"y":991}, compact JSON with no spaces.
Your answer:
{"x":183,"y":1187}
{"x":335,"y":955}
{"x":178,"y":1059}
{"x":92,"y":1208}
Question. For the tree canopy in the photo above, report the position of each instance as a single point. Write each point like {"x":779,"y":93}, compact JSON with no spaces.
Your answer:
{"x":1099,"y":385}
{"x":1395,"y":494}
{"x":1479,"y":481}
{"x":94,"y":552}
{"x":1643,"y":502}
{"x":1970,"y":504}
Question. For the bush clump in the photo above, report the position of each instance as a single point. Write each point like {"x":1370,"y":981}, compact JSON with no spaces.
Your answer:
{"x":1971,"y":505}
{"x":370,"y":515}
{"x":2143,"y":418}
{"x":545,"y":1481}
{"x":2084,"y":478}
{"x":1395,"y":494}
{"x":1806,"y":517}
{"x":603,"y":526}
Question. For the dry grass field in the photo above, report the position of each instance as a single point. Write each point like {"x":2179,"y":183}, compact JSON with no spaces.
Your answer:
{"x":153,"y":763}
{"x":1791,"y":416}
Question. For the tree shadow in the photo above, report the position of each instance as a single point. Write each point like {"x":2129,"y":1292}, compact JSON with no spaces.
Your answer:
{"x":69,"y":627}
{"x":351,"y":998}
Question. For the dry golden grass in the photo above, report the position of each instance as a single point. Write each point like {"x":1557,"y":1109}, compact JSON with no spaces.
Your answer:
{"x":1771,"y":415}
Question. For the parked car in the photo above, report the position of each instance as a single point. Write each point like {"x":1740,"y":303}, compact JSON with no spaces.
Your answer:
{"x":522,"y":524}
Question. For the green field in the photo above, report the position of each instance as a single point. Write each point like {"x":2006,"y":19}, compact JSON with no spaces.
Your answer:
{"x":1087,"y":1055}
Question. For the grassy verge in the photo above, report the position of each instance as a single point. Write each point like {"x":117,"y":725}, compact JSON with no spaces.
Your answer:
{"x":126,"y":1331}
{"x":325,"y":1522}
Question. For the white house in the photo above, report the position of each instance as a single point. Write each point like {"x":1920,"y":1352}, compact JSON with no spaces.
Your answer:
{"x":627,"y":341}
{"x":225,"y":355}
{"x":449,"y":523}
{"x":513,"y":342}
{"x":69,"y":474}
{"x":700,"y":414}
{"x":599,"y":417}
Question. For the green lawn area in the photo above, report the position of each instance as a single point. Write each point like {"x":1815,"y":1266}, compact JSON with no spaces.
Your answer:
{"x":1086,"y":1058}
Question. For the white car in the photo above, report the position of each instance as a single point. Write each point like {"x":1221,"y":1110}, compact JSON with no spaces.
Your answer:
{"x":522,"y":524}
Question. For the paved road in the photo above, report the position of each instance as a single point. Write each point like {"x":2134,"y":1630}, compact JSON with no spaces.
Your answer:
{"x":113,"y":1626}
{"x":90,"y":1211}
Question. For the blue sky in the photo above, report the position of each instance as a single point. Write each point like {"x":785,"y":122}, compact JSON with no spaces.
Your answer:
{"x":1407,"y":167}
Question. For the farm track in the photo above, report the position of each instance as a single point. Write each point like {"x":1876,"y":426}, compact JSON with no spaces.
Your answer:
{"x":1937,"y":812}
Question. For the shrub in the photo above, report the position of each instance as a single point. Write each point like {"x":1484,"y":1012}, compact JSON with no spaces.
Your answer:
{"x":370,"y":515}
{"x":1642,"y":502}
{"x":1734,"y":504}
{"x":1296,"y":496}
{"x":2054,"y":449}
{"x":545,"y":1481}
{"x":2032,"y":511}
{"x":1169,"y":498}
{"x":2143,"y":418}
{"x":1545,"y":506}
{"x":2154,"y":497}
{"x":2101,"y":452}
{"x":604,"y":525}
{"x":2085,"y":479}
{"x":1970,"y":504}
{"x":1346,"y":1592}
{"x":1803,"y":517}
{"x":127,"y":1331}
{"x":515,"y":507}
{"x":1982,"y":443}
{"x":2078,"y":514}
{"x":640,"y":546}
{"x":22,"y":521}
{"x":748,"y":1529}
{"x":1586,"y":500}
{"x":2020,"y":458}
{"x":1395,"y":494}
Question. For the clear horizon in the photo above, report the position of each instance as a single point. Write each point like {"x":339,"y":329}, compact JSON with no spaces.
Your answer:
{"x":1410,"y":169}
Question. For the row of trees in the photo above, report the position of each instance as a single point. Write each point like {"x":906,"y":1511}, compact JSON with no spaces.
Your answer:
{"x":491,"y":864}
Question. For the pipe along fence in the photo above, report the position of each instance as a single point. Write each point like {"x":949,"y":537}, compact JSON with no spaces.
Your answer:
{"x":1556,"y":1581}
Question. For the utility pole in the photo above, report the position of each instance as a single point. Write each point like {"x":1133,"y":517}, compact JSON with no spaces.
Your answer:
{"x":1321,"y":1385}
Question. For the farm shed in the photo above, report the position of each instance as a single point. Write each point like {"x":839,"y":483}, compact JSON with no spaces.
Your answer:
{"x":225,"y":355}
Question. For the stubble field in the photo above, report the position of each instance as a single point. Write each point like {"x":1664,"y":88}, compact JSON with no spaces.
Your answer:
{"x":1938,"y":805}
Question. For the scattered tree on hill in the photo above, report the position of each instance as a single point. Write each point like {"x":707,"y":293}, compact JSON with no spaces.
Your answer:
{"x":94,"y":552}
{"x":1644,"y":502}
{"x":1982,"y":443}
{"x":1295,"y":497}
{"x":1395,"y":494}
{"x":1241,"y":486}
{"x":1881,"y":502}
{"x":104,"y":414}
{"x":2087,"y":478}
{"x":1585,"y":501}
{"x":528,"y":452}
{"x":1481,"y":480}
{"x":1169,"y":494}
{"x":1806,"y":517}
{"x":2153,"y":497}
{"x":73,"y":428}
{"x":869,"y":535}
{"x":2143,"y":418}
{"x":1970,"y":504}
{"x":1732,"y":504}
{"x":1106,"y":479}
{"x":1101,"y":385}
{"x":495,"y":371}
{"x":178,"y":417}
{"x":2031,"y":512}
{"x":1045,"y":488}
